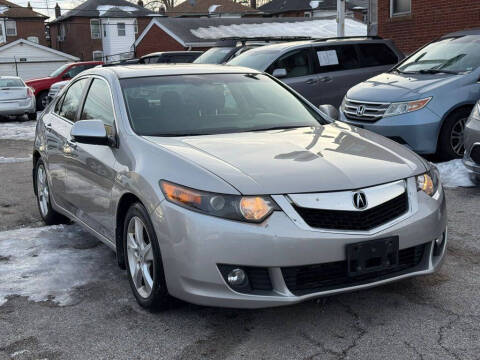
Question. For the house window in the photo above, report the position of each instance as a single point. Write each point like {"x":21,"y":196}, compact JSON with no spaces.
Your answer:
{"x":121,"y":29}
{"x":11,"y":28}
{"x":95,"y":29}
{"x":400,"y":7}
{"x":61,"y":32}
{"x":33,"y":39}
{"x":97,"y":55}
{"x":135,"y":26}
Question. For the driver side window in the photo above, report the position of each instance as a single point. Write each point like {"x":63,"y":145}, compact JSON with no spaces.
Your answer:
{"x":296,"y":63}
{"x":71,"y":100}
{"x":98,"y":105}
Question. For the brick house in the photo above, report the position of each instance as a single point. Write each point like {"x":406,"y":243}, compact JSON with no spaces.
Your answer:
{"x":413,"y":23}
{"x":18,"y":22}
{"x":212,"y":8}
{"x":99,"y":29}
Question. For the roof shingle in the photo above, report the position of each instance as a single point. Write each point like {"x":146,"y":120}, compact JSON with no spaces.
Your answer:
{"x":15,"y":11}
{"x":200,"y":7}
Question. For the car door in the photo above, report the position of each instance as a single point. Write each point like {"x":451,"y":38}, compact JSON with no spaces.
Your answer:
{"x":90,"y":173}
{"x":58,"y":124}
{"x":299,"y":68}
{"x":338,"y":69}
{"x":375,"y":58}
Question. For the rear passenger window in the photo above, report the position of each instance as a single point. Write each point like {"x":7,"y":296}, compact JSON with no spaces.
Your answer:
{"x":71,"y":100}
{"x":296,"y":63}
{"x":376,"y":55}
{"x":337,"y":58}
{"x":98,"y":104}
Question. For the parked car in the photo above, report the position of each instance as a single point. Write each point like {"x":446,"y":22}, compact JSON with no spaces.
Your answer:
{"x":218,"y":196}
{"x":16,"y":98}
{"x":424,"y":101}
{"x":64,"y":72}
{"x":323,"y":70}
{"x":228,"y":48}
{"x":55,"y":89}
{"x":471,"y":157}
{"x":178,"y":57}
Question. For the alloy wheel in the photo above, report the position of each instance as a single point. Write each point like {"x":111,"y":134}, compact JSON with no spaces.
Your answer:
{"x":43,"y":195}
{"x":140,"y":257}
{"x":456,"y":137}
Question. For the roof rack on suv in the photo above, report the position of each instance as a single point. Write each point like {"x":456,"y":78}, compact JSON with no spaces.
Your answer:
{"x":243,"y":39}
{"x":350,"y":37}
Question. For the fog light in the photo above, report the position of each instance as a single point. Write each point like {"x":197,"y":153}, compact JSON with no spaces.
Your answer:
{"x":236,"y":277}
{"x":438,"y":245}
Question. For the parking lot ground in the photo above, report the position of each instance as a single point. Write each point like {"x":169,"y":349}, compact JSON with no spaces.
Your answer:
{"x":63,"y":297}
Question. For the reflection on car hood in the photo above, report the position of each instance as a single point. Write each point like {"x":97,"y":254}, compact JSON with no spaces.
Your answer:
{"x":389,"y":87}
{"x":328,"y":158}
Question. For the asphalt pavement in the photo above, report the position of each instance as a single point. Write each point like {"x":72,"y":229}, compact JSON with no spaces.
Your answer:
{"x":431,"y":317}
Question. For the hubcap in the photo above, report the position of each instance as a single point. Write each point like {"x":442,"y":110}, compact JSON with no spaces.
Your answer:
{"x":140,"y":257}
{"x":42,"y":190}
{"x":456,"y":137}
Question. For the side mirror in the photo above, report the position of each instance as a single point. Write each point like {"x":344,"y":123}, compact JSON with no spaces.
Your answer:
{"x":89,"y":132}
{"x":330,"y":110}
{"x":279,"y":73}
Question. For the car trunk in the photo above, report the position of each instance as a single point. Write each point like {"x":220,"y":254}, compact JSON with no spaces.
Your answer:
{"x":13,"y":93}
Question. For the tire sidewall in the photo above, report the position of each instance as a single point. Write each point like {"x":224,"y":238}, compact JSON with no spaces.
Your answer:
{"x":159,"y":294}
{"x":40,"y":97}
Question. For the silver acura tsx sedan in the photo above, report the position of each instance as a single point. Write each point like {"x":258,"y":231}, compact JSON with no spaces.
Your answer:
{"x":222,"y":186}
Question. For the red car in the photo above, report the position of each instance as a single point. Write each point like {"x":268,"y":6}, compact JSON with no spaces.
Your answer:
{"x":64,"y":72}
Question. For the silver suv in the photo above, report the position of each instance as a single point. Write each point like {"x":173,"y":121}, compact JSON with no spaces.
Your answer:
{"x":323,"y":70}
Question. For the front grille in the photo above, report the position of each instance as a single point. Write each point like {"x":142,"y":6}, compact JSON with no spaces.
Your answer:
{"x":355,"y":220}
{"x":258,"y":278}
{"x":475,"y":154}
{"x":371,"y":111}
{"x":302,"y":280}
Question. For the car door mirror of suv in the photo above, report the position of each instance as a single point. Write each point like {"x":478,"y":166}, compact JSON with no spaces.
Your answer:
{"x":89,"y":132}
{"x":330,"y":110}
{"x":279,"y":73}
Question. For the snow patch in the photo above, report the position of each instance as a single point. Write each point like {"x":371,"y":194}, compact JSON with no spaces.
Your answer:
{"x":18,"y":130}
{"x":102,"y":9}
{"x":9,"y":160}
{"x":454,"y":174}
{"x":314,"y":28}
{"x":48,"y":263}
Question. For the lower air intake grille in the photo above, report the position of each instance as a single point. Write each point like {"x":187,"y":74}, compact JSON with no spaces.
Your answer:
{"x":302,"y":280}
{"x":355,"y":220}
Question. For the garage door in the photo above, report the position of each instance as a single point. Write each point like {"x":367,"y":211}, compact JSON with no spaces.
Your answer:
{"x":32,"y":70}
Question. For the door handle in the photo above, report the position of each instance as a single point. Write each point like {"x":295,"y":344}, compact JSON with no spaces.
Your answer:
{"x":326,"y":79}
{"x":48,"y":126}
{"x":311,"y":81}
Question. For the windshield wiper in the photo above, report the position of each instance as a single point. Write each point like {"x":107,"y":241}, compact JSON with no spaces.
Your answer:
{"x":284,"y":127}
{"x":437,"y":71}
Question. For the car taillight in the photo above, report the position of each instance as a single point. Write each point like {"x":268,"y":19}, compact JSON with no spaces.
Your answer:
{"x":30,"y":92}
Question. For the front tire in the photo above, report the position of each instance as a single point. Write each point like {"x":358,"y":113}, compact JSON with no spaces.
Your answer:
{"x":42,"y":100}
{"x":143,"y":260}
{"x":49,"y":216}
{"x":450,"y":141}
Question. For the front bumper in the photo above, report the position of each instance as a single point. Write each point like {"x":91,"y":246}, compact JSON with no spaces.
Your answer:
{"x":18,"y":107}
{"x":193,"y":245}
{"x":417,"y":130}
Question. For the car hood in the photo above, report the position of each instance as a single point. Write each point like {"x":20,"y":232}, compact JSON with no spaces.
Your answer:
{"x":38,"y":81}
{"x":390,"y":87}
{"x":328,"y":158}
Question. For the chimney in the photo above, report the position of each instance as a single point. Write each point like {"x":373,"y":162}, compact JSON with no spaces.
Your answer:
{"x":161,"y":10}
{"x":29,"y":6}
{"x":140,"y":3}
{"x":58,"y":13}
{"x":253,"y":4}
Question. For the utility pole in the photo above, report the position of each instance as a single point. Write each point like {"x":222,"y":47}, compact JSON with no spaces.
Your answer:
{"x":340,"y":18}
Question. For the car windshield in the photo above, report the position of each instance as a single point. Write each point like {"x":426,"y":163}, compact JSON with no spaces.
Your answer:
{"x":214,"y":56}
{"x":452,"y":55}
{"x":59,"y":70}
{"x":185,"y":105}
{"x":4,"y":83}
{"x":257,"y":59}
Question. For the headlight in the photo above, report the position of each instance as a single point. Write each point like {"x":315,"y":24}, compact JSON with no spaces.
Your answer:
{"x":233,"y":207}
{"x":476,"y":112}
{"x":428,"y":182}
{"x":406,"y":107}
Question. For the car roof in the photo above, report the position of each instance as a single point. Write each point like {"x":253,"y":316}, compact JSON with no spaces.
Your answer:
{"x":10,"y":77}
{"x":463,"y":32}
{"x":172,"y":53}
{"x":134,"y":71}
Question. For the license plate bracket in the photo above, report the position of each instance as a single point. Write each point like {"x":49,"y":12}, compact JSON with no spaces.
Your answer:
{"x":371,"y":256}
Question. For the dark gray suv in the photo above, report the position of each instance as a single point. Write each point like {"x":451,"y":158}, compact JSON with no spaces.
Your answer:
{"x":323,"y":70}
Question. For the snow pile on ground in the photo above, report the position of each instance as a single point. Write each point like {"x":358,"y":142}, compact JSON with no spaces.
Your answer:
{"x":47,"y":263}
{"x":454,"y":174}
{"x":18,"y":130}
{"x":9,"y":160}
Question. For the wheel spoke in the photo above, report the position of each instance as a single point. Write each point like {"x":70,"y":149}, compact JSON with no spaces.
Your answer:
{"x":147,"y":279}
{"x":137,"y":276}
{"x":148,"y":253}
{"x":131,"y":244}
{"x":139,"y":233}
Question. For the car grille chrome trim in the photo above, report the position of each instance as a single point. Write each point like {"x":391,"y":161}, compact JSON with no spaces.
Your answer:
{"x":364,"y":110}
{"x":288,"y":206}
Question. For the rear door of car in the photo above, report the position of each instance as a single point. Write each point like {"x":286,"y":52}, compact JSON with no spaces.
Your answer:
{"x":299,"y":67}
{"x":90,"y":171}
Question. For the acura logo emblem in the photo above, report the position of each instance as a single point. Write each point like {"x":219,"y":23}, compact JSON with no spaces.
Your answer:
{"x":360,"y":110}
{"x":360,"y":200}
